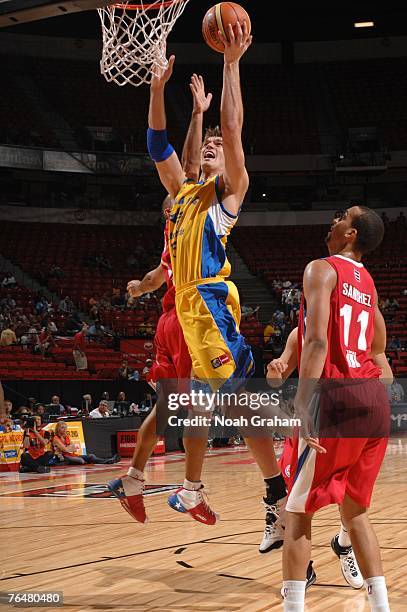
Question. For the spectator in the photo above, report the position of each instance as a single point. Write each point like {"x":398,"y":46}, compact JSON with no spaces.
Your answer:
{"x":394,"y":344}
{"x":79,"y":347}
{"x":67,"y":452}
{"x":268,"y":332}
{"x":87,"y":404}
{"x":35,"y":458}
{"x":147,"y":367}
{"x":59,"y":408}
{"x":34,"y":338}
{"x":9,"y":281}
{"x":147,"y":404}
{"x":135,"y":376}
{"x":73,"y":323}
{"x":106,"y":396}
{"x":121,"y":406}
{"x":278,"y":318}
{"x":96,"y":331}
{"x":396,"y":392}
{"x":45,"y":342}
{"x":8,"y":408}
{"x":42,"y":307}
{"x":66,"y":305}
{"x":101,"y":411}
{"x":8,"y":336}
{"x":125,"y":372}
{"x":40,"y":411}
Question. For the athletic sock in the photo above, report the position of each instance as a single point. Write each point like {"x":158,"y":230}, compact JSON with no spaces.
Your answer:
{"x":377,"y":594}
{"x":344,"y":539}
{"x":294,"y":595}
{"x":275,"y":488}
{"x":192,"y":485}
{"x":135,"y":473}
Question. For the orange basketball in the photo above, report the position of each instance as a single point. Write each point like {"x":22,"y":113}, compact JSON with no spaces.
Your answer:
{"x":218,"y":18}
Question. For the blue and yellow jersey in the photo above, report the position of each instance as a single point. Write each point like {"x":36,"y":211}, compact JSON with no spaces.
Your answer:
{"x":198,"y":232}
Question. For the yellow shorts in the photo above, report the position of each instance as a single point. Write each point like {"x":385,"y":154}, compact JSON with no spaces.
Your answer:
{"x":209,"y":314}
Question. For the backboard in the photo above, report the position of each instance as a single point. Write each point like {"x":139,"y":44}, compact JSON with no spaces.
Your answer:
{"x":13,"y":12}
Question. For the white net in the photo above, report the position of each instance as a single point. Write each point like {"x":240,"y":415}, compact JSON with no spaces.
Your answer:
{"x":134,"y":39}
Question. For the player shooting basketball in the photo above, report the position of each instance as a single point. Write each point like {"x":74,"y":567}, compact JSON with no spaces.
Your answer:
{"x":207,"y":304}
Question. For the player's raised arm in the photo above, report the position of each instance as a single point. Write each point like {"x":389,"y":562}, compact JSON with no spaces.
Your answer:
{"x":236,"y":180}
{"x":152,"y":281}
{"x":191,"y":153}
{"x":161,"y":152}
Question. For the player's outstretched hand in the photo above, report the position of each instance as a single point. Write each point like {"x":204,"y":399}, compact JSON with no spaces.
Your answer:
{"x":161,"y":77}
{"x":133,"y":288}
{"x":236,"y":43}
{"x":201,"y":100}
{"x":275,"y":371}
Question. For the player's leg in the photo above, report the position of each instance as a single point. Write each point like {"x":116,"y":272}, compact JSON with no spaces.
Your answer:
{"x":275,"y":498}
{"x":367,"y":551}
{"x":296,"y":558}
{"x":360,"y":483}
{"x":129,"y":489}
{"x":342,"y":547}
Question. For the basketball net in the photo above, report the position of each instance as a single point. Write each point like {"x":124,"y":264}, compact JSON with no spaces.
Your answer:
{"x":134,"y":39}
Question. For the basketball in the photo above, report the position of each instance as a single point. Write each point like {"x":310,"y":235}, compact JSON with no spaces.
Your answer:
{"x":218,"y":18}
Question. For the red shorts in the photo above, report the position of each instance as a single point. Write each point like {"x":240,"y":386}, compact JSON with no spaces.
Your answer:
{"x":172,"y":357}
{"x":352,"y":462}
{"x":349,"y":467}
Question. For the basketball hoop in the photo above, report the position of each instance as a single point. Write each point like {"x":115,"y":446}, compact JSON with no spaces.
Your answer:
{"x":134,"y":39}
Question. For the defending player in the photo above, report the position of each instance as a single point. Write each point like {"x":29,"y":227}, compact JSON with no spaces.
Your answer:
{"x":339,"y":324}
{"x":207,"y":304}
{"x":278,"y":371}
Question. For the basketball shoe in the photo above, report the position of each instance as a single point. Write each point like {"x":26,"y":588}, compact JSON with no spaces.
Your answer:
{"x":349,"y":565}
{"x":195,"y":503}
{"x":129,"y":491}
{"x":273,"y":536}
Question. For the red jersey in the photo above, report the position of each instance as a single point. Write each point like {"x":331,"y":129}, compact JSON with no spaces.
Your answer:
{"x":351,"y":322}
{"x":169,"y":297}
{"x":79,"y":342}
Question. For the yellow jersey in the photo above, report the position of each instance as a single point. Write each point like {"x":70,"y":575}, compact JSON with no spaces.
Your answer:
{"x":198,"y":231}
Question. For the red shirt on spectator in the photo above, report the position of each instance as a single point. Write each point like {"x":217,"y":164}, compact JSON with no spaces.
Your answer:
{"x":79,"y":342}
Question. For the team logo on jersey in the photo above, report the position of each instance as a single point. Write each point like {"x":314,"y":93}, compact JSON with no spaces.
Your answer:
{"x":356,"y":274}
{"x":287,"y":470}
{"x":220,"y":361}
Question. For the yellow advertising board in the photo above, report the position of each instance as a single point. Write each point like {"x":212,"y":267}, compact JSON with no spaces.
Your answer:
{"x":10,"y":450}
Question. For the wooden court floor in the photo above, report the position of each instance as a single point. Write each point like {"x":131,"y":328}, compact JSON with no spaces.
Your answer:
{"x":61,"y":532}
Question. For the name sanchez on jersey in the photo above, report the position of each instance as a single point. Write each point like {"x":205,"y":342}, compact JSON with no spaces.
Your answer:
{"x":354,"y":294}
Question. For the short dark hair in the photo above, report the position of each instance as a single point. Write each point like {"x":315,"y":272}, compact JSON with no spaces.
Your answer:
{"x":370,"y":229}
{"x":213,"y":132}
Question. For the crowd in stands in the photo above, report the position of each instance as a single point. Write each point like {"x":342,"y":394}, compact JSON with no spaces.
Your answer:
{"x":89,"y":270}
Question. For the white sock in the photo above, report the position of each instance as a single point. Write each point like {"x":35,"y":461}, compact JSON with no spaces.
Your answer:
{"x":377,"y":594}
{"x":135,"y":473}
{"x":344,"y":539}
{"x":294,"y":595}
{"x":192,"y":485}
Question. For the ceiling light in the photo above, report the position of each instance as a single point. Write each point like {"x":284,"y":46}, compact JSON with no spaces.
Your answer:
{"x":364,"y":24}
